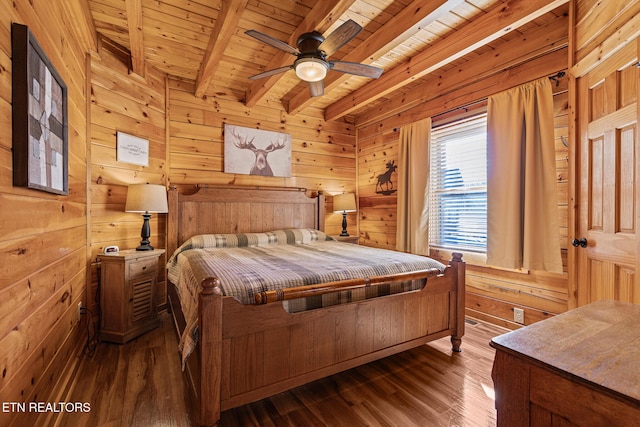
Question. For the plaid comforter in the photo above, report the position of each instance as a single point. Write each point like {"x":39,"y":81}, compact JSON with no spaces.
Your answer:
{"x":247,"y":264}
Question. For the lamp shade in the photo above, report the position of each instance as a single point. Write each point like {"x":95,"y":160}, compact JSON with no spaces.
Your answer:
{"x":310,"y":69}
{"x":344,"y":202}
{"x":146,"y":198}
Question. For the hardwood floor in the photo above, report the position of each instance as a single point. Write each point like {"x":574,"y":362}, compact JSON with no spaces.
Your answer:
{"x":136,"y":384}
{"x":140,"y":384}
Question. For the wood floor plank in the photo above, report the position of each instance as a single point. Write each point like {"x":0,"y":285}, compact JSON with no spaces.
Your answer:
{"x":140,"y":384}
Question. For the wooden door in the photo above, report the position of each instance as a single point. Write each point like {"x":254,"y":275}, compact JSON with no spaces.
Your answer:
{"x":608,"y":176}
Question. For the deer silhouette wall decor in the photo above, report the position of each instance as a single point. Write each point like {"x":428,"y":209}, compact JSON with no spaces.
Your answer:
{"x":385,"y":179}
{"x":261,"y":144}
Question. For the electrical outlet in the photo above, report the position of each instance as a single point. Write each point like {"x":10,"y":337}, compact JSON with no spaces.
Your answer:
{"x":79,"y":310}
{"x":518,"y":315}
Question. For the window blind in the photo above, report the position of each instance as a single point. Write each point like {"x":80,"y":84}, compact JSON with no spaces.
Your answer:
{"x":458,"y":193}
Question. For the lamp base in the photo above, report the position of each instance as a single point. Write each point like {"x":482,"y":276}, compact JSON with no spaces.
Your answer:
{"x":344,"y":225}
{"x":145,"y":233}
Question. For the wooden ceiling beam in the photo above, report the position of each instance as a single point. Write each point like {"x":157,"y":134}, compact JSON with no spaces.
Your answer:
{"x":500,"y":20}
{"x":397,"y":30}
{"x":224,"y":28}
{"x":320,"y":18}
{"x":540,"y":41}
{"x":136,"y":39}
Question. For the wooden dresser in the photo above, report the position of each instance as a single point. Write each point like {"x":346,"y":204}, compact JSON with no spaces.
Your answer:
{"x":128,"y":294}
{"x":581,"y":368}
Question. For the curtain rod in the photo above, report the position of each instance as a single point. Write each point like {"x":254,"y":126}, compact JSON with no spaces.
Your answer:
{"x":555,"y":77}
{"x":462,"y":107}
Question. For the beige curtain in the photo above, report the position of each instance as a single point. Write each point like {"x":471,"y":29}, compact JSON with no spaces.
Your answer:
{"x":522,"y":202}
{"x":413,"y":186}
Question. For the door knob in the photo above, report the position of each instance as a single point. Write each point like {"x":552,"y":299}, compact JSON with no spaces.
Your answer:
{"x":582,"y":243}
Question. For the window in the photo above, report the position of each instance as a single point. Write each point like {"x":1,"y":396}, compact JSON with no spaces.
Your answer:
{"x":458,"y":193}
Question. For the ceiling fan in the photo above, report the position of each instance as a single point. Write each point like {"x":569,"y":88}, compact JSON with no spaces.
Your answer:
{"x":313,"y":49}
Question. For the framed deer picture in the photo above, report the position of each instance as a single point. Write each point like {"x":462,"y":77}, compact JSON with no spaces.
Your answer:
{"x":256,"y":152}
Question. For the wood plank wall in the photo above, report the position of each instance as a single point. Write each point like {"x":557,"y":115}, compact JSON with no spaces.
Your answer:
{"x":491,"y":293}
{"x":123,"y":102}
{"x":595,"y":21}
{"x":323,"y":153}
{"x":43,"y":237}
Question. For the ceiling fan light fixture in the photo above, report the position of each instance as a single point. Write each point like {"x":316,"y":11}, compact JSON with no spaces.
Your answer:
{"x":311,"y":69}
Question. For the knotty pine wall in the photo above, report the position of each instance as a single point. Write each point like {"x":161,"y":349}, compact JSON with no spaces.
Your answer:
{"x":135,"y":105}
{"x":43,"y":237}
{"x":491,"y":293}
{"x":323,"y":153}
{"x":595,"y":21}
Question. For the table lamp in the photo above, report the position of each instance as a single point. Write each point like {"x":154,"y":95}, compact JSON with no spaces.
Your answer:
{"x":344,"y":203}
{"x":146,"y":198}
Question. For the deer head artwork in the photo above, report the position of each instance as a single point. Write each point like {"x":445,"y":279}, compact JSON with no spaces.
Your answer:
{"x":244,"y":141}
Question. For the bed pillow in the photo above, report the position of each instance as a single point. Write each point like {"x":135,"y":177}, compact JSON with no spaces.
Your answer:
{"x":277,"y":237}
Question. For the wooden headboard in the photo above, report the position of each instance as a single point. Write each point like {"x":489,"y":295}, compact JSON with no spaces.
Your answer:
{"x":201,"y":209}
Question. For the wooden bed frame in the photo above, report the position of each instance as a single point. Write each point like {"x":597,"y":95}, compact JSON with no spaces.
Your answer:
{"x":248,"y":352}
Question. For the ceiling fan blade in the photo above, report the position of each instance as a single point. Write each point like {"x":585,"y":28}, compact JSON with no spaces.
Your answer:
{"x":341,"y":36}
{"x":316,"y":88}
{"x":271,"y":72}
{"x":356,"y":68}
{"x":272,"y":42}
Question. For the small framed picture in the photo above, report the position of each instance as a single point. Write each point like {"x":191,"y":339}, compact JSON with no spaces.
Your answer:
{"x":131,"y":149}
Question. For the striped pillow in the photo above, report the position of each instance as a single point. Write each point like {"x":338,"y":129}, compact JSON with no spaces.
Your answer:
{"x":277,"y":237}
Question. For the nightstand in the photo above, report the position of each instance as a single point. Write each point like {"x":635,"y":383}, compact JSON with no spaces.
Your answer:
{"x":128,"y":294}
{"x":348,"y":239}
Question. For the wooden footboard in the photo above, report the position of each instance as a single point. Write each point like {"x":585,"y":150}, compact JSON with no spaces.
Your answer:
{"x":247,"y":353}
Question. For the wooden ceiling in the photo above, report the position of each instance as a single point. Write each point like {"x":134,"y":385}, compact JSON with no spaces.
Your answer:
{"x":417,"y":43}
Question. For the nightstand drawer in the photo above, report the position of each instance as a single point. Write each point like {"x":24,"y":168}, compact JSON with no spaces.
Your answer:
{"x":143,"y":267}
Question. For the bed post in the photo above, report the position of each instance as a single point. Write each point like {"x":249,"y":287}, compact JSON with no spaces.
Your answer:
{"x":210,"y":351}
{"x":459,"y":265}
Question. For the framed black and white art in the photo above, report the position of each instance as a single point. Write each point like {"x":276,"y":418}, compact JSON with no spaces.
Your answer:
{"x":256,"y":152}
{"x":40,"y":150}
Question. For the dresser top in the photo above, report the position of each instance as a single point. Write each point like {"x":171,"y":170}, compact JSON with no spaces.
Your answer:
{"x":599,"y":343}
